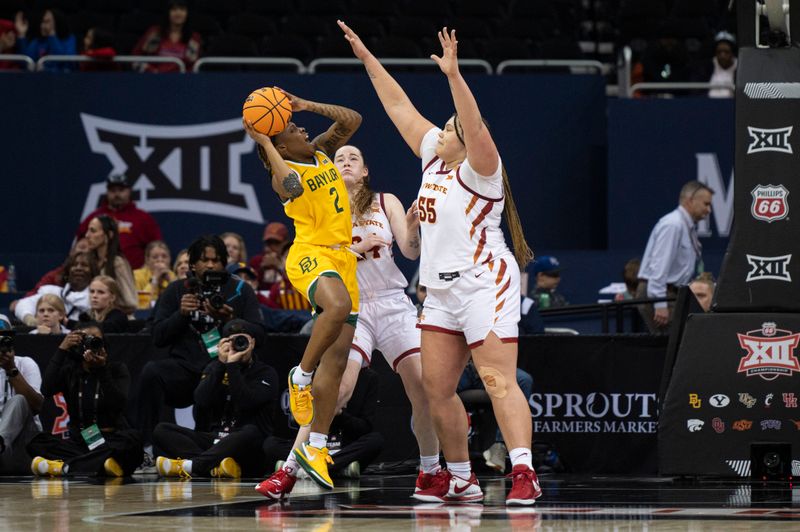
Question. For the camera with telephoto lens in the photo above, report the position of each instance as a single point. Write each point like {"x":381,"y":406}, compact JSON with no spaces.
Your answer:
{"x":88,"y":343}
{"x":209,"y":288}
{"x":240,"y":343}
{"x":6,"y":343}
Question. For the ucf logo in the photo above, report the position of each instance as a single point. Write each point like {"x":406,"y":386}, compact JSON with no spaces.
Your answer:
{"x":194,"y":168}
{"x":307,"y":264}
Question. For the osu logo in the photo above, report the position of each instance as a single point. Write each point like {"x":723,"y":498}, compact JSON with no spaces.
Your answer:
{"x":719,"y":400}
{"x":770,"y":352}
{"x":742,"y":425}
{"x":695,"y":401}
{"x":307,"y":264}
{"x":747,"y":400}
{"x":769,"y":140}
{"x":718,"y":424}
{"x":769,"y":203}
{"x":694,"y":425}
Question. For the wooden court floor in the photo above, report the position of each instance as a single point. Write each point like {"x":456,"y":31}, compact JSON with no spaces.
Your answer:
{"x":383,"y":503}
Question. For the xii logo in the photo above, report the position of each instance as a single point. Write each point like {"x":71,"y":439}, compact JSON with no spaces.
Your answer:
{"x":774,"y":268}
{"x":769,"y":140}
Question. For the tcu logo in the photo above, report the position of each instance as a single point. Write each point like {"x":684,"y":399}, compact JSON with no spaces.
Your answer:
{"x":195,"y":168}
{"x":769,"y":203}
{"x":769,"y":140}
{"x":774,"y":268}
{"x":768,"y":355}
{"x":771,"y":424}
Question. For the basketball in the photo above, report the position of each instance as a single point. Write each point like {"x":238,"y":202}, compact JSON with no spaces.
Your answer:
{"x":268,"y":109}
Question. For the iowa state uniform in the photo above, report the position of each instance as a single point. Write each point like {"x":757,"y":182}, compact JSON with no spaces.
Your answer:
{"x":323,"y":230}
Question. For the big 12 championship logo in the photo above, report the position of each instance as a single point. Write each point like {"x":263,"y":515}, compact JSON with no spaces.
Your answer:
{"x":770,"y":203}
{"x":770,"y":352}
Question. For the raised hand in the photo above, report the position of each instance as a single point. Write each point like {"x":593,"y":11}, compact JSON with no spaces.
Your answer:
{"x":260,"y":138}
{"x":359,"y":48}
{"x":298,"y":104}
{"x":448,"y":62}
{"x":412,"y":217}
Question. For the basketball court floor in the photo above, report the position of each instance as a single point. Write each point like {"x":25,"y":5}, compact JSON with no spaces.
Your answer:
{"x":384,"y":503}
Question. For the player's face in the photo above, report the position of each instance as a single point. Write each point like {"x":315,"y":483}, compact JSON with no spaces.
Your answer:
{"x":293,"y":143}
{"x":449,"y":148}
{"x":350,"y":163}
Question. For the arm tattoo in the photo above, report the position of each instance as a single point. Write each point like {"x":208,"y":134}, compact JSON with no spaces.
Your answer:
{"x":346,"y":123}
{"x":291,"y":184}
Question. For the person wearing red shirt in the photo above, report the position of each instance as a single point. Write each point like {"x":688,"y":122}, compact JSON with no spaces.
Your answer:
{"x":136,"y":227}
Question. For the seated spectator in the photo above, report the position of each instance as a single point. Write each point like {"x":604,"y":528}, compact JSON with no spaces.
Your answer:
{"x":104,"y":297}
{"x":723,"y":65}
{"x":21,"y":401}
{"x":53,"y":38}
{"x":51,"y":316}
{"x":353,"y":441}
{"x":56,"y":275}
{"x":172,"y":38}
{"x":181,"y":265}
{"x":270,"y":264}
{"x":630,"y":275}
{"x":702,"y":287}
{"x":154,"y":277}
{"x":666,"y":59}
{"x":98,"y":43}
{"x":103,"y":237}
{"x":284,"y":296}
{"x":95,"y":390}
{"x":79,"y":271}
{"x":530,"y":321}
{"x":248,"y":275}
{"x":232,"y":413}
{"x":234,"y":243}
{"x":547,"y":276}
{"x":8,"y":44}
{"x":189,"y":327}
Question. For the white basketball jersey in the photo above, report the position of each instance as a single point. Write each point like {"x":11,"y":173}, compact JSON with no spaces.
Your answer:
{"x":460,"y":213}
{"x":377,"y":273}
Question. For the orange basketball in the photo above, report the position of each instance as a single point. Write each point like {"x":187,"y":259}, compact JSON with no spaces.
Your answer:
{"x":268,"y":109}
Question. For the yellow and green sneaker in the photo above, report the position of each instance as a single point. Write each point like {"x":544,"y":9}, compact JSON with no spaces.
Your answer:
{"x":315,"y":462}
{"x":301,"y":402}
{"x":228,"y":468}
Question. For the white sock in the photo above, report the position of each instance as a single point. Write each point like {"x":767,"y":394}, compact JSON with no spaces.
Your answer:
{"x":318,"y":440}
{"x":462,"y":470}
{"x":187,"y":466}
{"x":430,"y":464}
{"x":301,"y":378}
{"x":291,"y":466}
{"x":521,"y":455}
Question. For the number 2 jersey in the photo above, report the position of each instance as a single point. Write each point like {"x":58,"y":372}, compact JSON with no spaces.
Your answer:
{"x":321,"y":214}
{"x":460,"y":213}
{"x":377,"y":273}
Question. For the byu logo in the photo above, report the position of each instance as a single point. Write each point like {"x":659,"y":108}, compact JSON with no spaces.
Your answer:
{"x":195,"y":168}
{"x":769,"y":140}
{"x":719,"y":400}
{"x":775,"y":268}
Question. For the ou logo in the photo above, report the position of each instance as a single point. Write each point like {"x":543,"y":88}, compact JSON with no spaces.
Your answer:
{"x":719,"y":400}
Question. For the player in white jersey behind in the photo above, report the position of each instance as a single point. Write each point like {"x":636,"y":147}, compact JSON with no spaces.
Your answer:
{"x":472,"y":277}
{"x":387,"y":318}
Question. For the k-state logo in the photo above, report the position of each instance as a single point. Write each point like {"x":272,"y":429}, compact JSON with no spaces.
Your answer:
{"x":694,"y":425}
{"x":774,"y":268}
{"x":194,"y":168}
{"x":770,"y":352}
{"x":769,"y":203}
{"x":719,"y":400}
{"x":769,"y":140}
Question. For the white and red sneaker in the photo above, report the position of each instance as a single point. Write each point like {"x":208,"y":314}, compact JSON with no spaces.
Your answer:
{"x":525,"y":487}
{"x":424,"y":481}
{"x":446,"y":487}
{"x":432,"y":488}
{"x":278,"y":486}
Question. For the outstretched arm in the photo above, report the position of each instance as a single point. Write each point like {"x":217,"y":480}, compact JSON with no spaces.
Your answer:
{"x":405,"y":225}
{"x":408,"y":121}
{"x":345,"y":122}
{"x":285,"y":181}
{"x":481,"y":150}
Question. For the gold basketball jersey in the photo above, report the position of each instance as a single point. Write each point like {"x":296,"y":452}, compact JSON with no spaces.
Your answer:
{"x":322,"y":213}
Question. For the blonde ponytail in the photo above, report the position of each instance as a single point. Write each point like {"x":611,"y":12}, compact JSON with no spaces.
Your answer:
{"x":522,"y":252}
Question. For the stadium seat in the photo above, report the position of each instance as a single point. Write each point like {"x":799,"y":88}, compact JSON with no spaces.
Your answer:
{"x":470,"y":28}
{"x":287,"y":45}
{"x":413,"y":27}
{"x":137,"y":22}
{"x":337,"y":8}
{"x":251,"y":25}
{"x":393,"y":46}
{"x":231,"y":45}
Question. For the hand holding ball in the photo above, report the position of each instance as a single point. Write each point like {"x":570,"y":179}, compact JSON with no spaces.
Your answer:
{"x":268,"y":109}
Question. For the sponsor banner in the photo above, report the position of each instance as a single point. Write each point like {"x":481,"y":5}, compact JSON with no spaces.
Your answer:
{"x":770,"y":203}
{"x":735,"y":381}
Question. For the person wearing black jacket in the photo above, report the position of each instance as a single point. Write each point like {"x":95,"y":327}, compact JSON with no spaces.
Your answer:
{"x":352,"y":438}
{"x":232,"y":405}
{"x":188,"y":324}
{"x":96,"y":390}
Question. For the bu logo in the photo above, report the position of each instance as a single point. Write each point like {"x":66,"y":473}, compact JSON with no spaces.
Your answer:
{"x":769,"y":140}
{"x":775,"y":268}
{"x":194,"y":168}
{"x":307,"y":264}
{"x":695,"y":401}
{"x":769,"y":203}
{"x":770,"y":352}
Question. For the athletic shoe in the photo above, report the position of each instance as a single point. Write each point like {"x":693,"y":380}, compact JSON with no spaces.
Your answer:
{"x":315,"y":462}
{"x":495,"y":457}
{"x":446,"y":487}
{"x":278,"y":486}
{"x":301,"y":402}
{"x":425,"y":480}
{"x":168,"y":467}
{"x":42,"y":466}
{"x":432,"y":488}
{"x":113,"y":469}
{"x":525,"y":487}
{"x":228,"y":468}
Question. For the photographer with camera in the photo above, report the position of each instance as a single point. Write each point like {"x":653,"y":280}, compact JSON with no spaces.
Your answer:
{"x":232,"y":413}
{"x":188,"y":320}
{"x":20,"y":380}
{"x":95,"y":390}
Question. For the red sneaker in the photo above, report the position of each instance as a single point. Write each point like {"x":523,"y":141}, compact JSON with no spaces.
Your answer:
{"x":525,"y":487}
{"x":277,"y":486}
{"x":435,"y":486}
{"x":461,"y":490}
